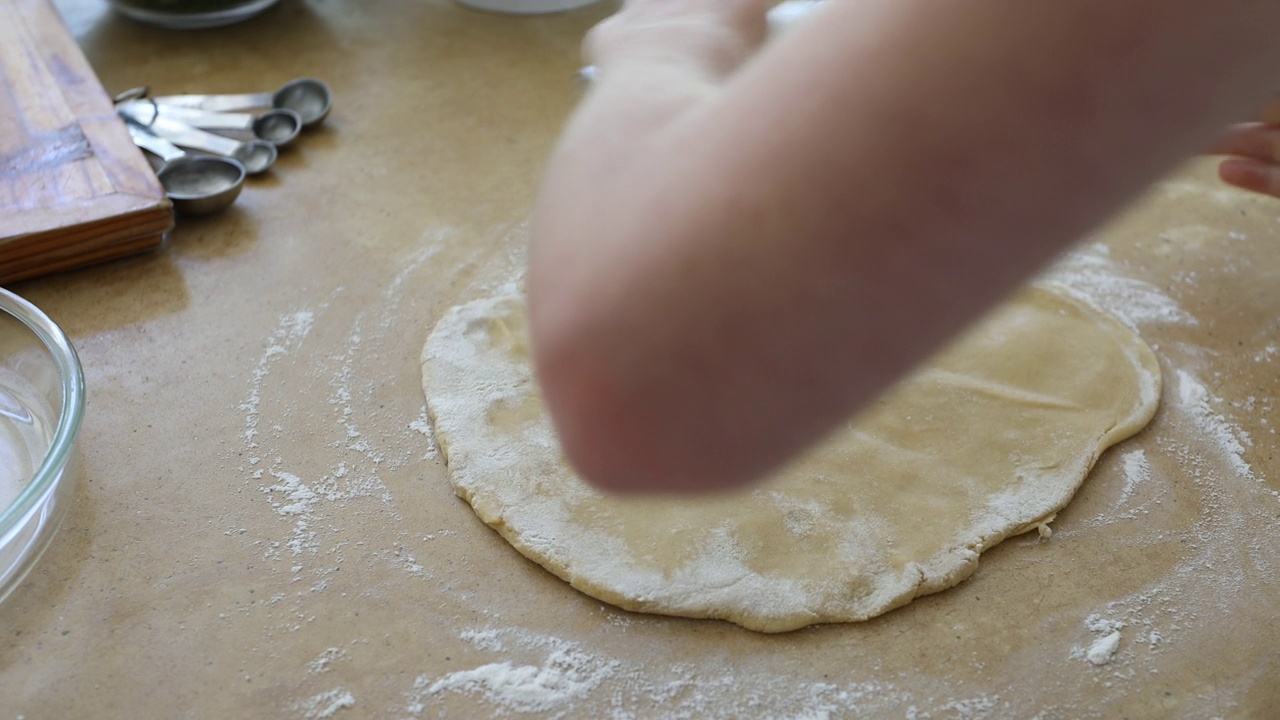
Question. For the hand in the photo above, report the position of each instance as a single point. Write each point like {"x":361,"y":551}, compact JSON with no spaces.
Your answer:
{"x":715,"y":34}
{"x":1253,"y":151}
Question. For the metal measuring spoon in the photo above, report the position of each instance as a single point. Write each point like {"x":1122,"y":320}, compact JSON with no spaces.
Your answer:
{"x":255,"y":155}
{"x":196,"y":184}
{"x":278,"y":126}
{"x":308,"y":97}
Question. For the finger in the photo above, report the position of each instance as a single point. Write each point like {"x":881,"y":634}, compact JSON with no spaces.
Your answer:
{"x":718,"y":33}
{"x":1249,"y":174}
{"x":1252,"y":140}
{"x":1271,"y":113}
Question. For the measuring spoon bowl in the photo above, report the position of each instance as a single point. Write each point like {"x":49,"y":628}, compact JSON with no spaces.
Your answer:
{"x":195,"y":184}
{"x":202,"y":184}
{"x":255,"y":155}
{"x":310,"y":98}
{"x":278,"y":126}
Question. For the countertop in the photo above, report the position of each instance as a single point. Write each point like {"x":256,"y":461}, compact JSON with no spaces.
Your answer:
{"x":263,"y":525}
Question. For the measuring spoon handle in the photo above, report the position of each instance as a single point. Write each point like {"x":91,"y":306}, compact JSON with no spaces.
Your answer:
{"x":219,"y":103}
{"x":153,"y":143}
{"x":145,"y":112}
{"x":180,"y":133}
{"x":207,"y":120}
{"x":255,"y":155}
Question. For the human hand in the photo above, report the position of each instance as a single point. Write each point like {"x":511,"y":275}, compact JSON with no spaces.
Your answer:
{"x":717,"y":35}
{"x":1253,"y":151}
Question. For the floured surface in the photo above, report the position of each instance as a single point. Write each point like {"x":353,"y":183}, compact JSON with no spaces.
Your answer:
{"x":262,"y":510}
{"x":990,"y":439}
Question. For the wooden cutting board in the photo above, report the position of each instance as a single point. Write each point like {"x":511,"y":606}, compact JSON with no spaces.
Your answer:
{"x":73,"y":188}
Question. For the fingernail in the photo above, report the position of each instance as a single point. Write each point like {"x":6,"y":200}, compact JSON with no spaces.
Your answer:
{"x":1243,"y":173}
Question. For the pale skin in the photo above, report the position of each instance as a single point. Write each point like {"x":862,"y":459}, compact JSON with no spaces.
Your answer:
{"x":1254,"y":153}
{"x":737,"y":247}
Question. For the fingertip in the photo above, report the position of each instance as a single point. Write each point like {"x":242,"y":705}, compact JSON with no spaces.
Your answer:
{"x":1249,"y":175}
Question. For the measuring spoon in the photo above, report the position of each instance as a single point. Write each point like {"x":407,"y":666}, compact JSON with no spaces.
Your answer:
{"x":196,"y":184}
{"x":308,"y":97}
{"x":255,"y":155}
{"x":278,"y":126}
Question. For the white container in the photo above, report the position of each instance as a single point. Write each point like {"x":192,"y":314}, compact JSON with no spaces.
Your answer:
{"x":526,"y":7}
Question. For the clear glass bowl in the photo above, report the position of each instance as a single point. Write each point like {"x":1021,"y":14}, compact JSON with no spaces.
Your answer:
{"x":191,"y":14}
{"x":41,"y":408}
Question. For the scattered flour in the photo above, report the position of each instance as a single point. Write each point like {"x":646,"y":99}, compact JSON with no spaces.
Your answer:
{"x":1091,"y":274}
{"x":357,"y":460}
{"x":325,"y":704}
{"x":976,"y":707}
{"x":1106,"y":642}
{"x":290,"y":331}
{"x":568,"y":680}
{"x":490,"y":640}
{"x":292,"y":498}
{"x":1228,"y":439}
{"x":1104,"y":648}
{"x":1136,"y":472}
{"x":404,"y":560}
{"x":322,"y":662}
{"x":391,"y":318}
{"x":1098,"y":624}
{"x":338,"y":476}
{"x":422,"y":425}
{"x":567,"y":674}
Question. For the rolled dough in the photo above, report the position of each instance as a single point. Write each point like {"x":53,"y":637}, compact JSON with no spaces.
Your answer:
{"x":988,"y":440}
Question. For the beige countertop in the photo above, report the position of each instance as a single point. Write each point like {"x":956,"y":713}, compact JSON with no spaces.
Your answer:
{"x":263,"y":527}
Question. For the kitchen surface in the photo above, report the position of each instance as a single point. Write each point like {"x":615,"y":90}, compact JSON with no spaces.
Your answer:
{"x":263,"y":525}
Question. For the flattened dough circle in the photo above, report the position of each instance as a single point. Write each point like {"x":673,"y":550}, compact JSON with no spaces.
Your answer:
{"x":989,"y":440}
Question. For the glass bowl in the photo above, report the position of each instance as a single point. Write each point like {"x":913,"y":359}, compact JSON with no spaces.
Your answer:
{"x":41,"y":408}
{"x":191,"y":14}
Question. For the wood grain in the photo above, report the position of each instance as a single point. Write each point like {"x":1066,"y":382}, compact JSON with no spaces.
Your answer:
{"x":73,"y":188}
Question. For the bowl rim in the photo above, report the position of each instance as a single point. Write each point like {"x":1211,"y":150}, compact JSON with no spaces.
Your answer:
{"x":70,"y":415}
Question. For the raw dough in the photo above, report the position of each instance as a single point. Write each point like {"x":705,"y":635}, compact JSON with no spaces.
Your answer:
{"x":989,"y":440}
